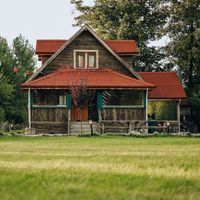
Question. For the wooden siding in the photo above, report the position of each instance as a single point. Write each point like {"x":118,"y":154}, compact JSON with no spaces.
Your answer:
{"x":127,"y":58}
{"x":49,"y":114}
{"x":50,"y":127}
{"x":126,"y":114}
{"x":85,"y":41}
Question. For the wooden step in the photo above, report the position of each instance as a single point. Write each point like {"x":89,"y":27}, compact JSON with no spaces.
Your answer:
{"x":75,"y":127}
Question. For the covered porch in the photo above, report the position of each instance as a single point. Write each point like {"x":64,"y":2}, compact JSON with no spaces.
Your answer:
{"x":53,"y":110}
{"x":115,"y":100}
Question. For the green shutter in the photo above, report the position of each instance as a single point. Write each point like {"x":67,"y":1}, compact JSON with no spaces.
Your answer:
{"x":99,"y":100}
{"x":68,"y":101}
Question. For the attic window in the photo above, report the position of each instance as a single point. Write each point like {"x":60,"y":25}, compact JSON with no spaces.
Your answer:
{"x":85,"y":59}
{"x":80,"y":60}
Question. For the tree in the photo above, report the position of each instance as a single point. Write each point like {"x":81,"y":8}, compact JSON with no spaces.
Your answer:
{"x":183,"y":29}
{"x":125,"y":19}
{"x":24,"y":58}
{"x":152,"y":59}
{"x":17,"y":64}
{"x":79,"y":90}
{"x":6,"y":92}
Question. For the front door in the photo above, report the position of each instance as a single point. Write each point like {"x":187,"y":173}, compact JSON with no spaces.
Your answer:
{"x":76,"y":113}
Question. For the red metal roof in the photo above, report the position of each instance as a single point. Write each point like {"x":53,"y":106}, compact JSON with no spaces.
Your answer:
{"x":48,"y":47}
{"x":99,"y":78}
{"x":123,"y":46}
{"x":168,"y":85}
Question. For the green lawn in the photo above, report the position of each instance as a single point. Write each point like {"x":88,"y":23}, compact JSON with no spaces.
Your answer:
{"x":99,"y":168}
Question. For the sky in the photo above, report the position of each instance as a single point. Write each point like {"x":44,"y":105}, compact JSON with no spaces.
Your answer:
{"x":37,"y":19}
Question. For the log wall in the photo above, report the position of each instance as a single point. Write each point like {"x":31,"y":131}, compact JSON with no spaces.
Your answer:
{"x":50,"y":127}
{"x":50,"y":120}
{"x":123,"y":114}
{"x":49,"y":114}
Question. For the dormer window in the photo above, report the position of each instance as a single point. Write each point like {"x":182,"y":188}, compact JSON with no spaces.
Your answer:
{"x":80,"y":60}
{"x":86,"y":59}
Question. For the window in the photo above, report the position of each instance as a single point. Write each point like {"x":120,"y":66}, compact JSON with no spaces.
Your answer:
{"x":85,"y":59}
{"x":91,"y":60}
{"x":62,"y":99}
{"x":80,"y":57}
{"x":123,"y":98}
{"x":162,"y":110}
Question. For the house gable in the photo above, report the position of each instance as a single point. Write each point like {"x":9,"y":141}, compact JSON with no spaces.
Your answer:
{"x":85,"y":39}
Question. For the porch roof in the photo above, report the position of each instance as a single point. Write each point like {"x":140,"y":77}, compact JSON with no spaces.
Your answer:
{"x":96,"y":78}
{"x":168,"y":85}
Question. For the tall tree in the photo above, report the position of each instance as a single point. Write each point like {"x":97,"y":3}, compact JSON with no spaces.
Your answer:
{"x":6,"y":91}
{"x":183,"y":29}
{"x":125,"y":19}
{"x":17,"y":63}
{"x":24,"y":58}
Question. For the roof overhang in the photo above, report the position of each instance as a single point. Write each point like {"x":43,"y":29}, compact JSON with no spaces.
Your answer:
{"x":92,"y":79}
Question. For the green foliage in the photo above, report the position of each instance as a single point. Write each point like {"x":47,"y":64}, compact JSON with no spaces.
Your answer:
{"x":6,"y":94}
{"x":152,"y":59}
{"x":183,"y":29}
{"x":164,"y":110}
{"x":125,"y":19}
{"x":195,"y":99}
{"x":12,"y":133}
{"x":13,"y":101}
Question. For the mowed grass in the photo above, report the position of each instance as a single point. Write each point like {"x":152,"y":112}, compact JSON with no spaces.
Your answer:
{"x":99,"y":168}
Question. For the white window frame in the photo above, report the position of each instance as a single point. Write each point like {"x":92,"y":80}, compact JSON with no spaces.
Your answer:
{"x":86,"y":58}
{"x":62,"y":99}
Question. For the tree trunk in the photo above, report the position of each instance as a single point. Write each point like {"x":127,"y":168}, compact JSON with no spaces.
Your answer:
{"x":191,"y":60}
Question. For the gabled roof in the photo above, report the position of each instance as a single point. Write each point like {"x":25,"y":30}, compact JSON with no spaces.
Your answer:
{"x":84,"y":28}
{"x":97,"y":78}
{"x":45,"y":47}
{"x":168,"y":85}
{"x":124,"y":47}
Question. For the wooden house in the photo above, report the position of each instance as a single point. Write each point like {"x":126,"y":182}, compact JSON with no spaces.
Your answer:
{"x":122,"y":98}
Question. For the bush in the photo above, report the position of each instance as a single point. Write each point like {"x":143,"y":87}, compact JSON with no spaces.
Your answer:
{"x":12,"y":133}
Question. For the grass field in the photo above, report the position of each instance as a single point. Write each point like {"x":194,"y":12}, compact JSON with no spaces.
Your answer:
{"x":99,"y":168}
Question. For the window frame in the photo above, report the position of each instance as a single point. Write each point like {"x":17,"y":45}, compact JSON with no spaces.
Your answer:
{"x":77,"y":55}
{"x":86,"y":58}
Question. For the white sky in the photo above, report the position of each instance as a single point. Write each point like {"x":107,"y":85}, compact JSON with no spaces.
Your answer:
{"x":37,"y":19}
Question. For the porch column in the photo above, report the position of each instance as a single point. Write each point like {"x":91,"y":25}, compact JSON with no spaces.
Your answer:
{"x":178,"y":115}
{"x":29,"y":108}
{"x":68,"y":107}
{"x":146,"y":104}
